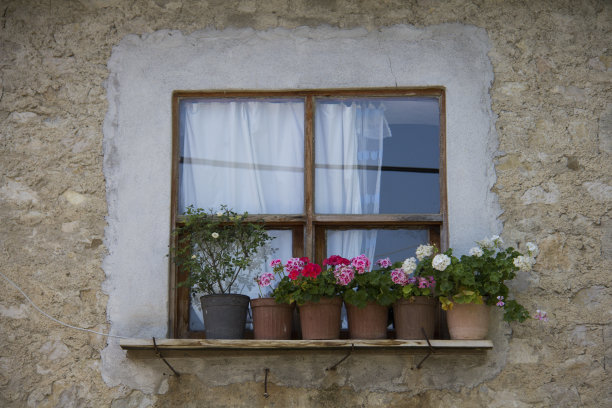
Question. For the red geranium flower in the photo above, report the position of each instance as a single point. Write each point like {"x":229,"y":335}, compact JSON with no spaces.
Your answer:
{"x":311,"y":270}
{"x":336,"y":260}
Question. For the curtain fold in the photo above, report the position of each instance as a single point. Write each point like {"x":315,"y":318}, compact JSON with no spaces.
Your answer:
{"x":348,"y":152}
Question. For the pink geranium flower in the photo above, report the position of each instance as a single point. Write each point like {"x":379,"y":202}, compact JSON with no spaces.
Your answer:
{"x":384,"y":263}
{"x":399,"y":277}
{"x":361,"y":264}
{"x":344,"y":274}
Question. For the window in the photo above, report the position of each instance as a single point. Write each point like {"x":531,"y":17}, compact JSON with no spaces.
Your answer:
{"x":331,"y":172}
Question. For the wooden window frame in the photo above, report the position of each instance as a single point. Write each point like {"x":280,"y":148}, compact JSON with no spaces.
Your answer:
{"x":309,"y":238}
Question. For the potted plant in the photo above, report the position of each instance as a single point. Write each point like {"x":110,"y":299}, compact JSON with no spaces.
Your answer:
{"x":367,"y":297}
{"x":213,"y":248}
{"x":469,"y":285}
{"x":272,"y":319}
{"x":317,"y":296}
{"x":414,"y":309}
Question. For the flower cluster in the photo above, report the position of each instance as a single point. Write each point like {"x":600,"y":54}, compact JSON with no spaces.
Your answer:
{"x":384,"y":263}
{"x":491,"y":243}
{"x":336,"y":260}
{"x":424,"y":251}
{"x":541,"y":315}
{"x":525,"y":263}
{"x":440,"y":262}
{"x":344,"y":274}
{"x":295,"y":266}
{"x":311,"y":270}
{"x":476,"y":251}
{"x":409,"y":265}
{"x":265,"y":279}
{"x":500,"y":301}
{"x":361,"y":264}
{"x":399,"y":277}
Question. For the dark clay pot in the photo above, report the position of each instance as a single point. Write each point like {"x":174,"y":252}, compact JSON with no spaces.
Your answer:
{"x":224,"y":315}
{"x":410,"y":315}
{"x":271,"y":320}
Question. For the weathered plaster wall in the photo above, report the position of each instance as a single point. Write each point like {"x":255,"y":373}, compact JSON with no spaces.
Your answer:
{"x":551,"y":94}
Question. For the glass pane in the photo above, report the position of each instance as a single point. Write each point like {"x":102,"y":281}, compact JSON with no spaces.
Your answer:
{"x":280,"y":247}
{"x":377,"y":156}
{"x":242,"y":152}
{"x":376,"y":244}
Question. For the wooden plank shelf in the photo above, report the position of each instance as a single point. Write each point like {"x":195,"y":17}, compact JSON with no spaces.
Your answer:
{"x":452,"y":346}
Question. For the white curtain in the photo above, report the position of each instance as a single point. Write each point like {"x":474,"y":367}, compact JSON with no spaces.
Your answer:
{"x":348,"y":152}
{"x":246,"y":154}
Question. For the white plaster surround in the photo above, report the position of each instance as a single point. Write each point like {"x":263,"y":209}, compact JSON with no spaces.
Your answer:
{"x":144,"y":70}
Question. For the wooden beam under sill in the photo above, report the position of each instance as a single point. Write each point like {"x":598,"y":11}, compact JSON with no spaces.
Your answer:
{"x":414,"y":346}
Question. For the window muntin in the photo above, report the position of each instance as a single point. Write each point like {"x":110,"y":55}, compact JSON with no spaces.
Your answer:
{"x":309,"y":229}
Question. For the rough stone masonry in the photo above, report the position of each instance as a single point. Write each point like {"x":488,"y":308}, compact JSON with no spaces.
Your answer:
{"x":547,"y":73}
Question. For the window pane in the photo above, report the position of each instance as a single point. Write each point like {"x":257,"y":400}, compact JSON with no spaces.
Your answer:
{"x":377,"y":156}
{"x":280,"y":247}
{"x":246,"y":153}
{"x":376,"y":244}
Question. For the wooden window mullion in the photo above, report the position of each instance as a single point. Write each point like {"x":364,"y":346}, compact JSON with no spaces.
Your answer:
{"x":309,"y":177}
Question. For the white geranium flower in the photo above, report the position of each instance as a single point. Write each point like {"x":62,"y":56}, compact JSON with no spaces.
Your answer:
{"x":423,"y":251}
{"x":193,"y":257}
{"x":524,"y":263}
{"x":214,"y":235}
{"x":477,"y":251}
{"x":440,"y":262}
{"x":219,"y":214}
{"x":532,"y":249}
{"x":409,"y":265}
{"x":497,"y":241}
{"x":486,"y":243}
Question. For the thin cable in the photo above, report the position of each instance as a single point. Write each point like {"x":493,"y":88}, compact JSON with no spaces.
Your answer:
{"x":53,"y":318}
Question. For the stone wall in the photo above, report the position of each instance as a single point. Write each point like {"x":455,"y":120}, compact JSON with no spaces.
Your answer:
{"x":551,"y":93}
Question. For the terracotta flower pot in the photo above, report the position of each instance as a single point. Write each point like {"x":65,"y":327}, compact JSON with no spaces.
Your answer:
{"x":410,"y":315}
{"x":271,"y":320}
{"x":468,"y":321}
{"x":224,"y":315}
{"x":369,"y":322}
{"x":321,"y":320}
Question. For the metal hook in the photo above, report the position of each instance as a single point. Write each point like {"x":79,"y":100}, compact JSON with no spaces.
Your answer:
{"x":431,"y":349}
{"x":158,"y":354}
{"x":266,"y":395}
{"x":333,"y":368}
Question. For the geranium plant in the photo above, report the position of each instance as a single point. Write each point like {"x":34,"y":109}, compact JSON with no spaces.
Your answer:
{"x":365,"y":285}
{"x":214,"y":247}
{"x":481,"y":276}
{"x":308,"y":282}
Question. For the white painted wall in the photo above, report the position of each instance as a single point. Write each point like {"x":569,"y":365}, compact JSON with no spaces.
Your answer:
{"x":144,"y":70}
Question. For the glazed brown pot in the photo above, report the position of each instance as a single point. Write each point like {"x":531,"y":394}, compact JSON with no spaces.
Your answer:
{"x":369,"y":322}
{"x":468,"y":321}
{"x":412,"y":315}
{"x":271,"y":320}
{"x":321,"y":320}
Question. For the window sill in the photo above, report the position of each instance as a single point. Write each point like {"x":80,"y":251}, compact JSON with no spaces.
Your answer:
{"x":411,"y":346}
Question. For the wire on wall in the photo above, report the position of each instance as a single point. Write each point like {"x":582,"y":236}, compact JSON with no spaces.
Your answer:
{"x":53,"y":318}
